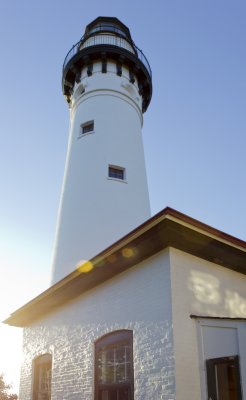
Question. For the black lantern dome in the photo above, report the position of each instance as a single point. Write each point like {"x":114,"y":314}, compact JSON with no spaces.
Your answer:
{"x":107,"y":38}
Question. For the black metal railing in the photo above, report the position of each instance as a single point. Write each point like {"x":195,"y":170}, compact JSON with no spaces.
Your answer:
{"x":108,"y":40}
{"x":93,"y":40}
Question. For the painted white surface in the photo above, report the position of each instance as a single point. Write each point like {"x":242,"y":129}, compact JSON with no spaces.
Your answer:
{"x":94,"y":210}
{"x":219,"y":341}
{"x":138,"y":299}
{"x":202,"y":288}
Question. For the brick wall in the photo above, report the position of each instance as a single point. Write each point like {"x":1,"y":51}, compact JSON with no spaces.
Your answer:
{"x":138,"y":299}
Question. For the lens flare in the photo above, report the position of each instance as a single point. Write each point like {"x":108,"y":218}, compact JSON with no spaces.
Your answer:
{"x":128,"y":252}
{"x":85,"y":267}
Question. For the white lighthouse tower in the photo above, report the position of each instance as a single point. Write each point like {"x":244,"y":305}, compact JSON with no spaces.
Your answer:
{"x":107,"y":84}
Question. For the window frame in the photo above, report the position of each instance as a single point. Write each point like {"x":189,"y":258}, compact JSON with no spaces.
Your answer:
{"x":236,"y":345}
{"x":211,"y":374}
{"x":109,"y":341}
{"x":87,"y":132}
{"x":117,"y":168}
{"x":38,"y":362}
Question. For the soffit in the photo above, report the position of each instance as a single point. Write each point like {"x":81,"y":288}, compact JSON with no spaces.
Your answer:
{"x":169,"y":228}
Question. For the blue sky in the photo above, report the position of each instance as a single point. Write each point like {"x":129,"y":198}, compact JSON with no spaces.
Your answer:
{"x":194,"y":130}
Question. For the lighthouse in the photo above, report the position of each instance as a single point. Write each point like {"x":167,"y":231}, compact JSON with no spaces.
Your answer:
{"x":159,"y":311}
{"x":106,"y":81}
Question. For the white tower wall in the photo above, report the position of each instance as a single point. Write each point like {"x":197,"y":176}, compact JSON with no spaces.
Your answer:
{"x":96,"y":210}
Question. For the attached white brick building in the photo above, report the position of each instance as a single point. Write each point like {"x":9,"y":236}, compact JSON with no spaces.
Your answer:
{"x":176,"y":283}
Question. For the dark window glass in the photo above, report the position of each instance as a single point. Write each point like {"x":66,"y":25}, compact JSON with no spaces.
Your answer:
{"x":88,"y":127}
{"x":116,"y":172}
{"x":114,"y":367}
{"x":223,"y":378}
{"x":42,"y":378}
{"x":108,"y":28}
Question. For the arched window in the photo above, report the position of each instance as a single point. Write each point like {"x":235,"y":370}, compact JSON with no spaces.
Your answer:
{"x":114,"y":366}
{"x":42,"y":377}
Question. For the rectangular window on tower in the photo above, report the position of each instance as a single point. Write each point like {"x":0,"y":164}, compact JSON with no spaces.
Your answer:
{"x":115,"y":172}
{"x":87,"y":127}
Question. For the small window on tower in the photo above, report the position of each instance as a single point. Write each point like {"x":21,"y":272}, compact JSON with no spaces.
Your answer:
{"x":116,"y":172}
{"x":87,"y":127}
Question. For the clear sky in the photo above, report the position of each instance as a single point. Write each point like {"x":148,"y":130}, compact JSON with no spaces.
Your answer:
{"x":194,"y":130}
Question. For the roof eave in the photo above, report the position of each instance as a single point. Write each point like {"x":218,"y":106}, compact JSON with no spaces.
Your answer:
{"x":168,"y":228}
